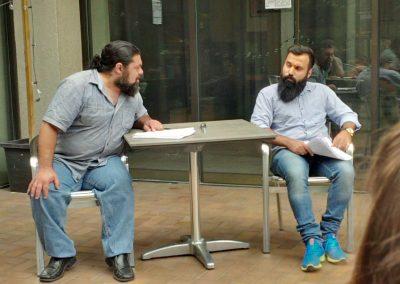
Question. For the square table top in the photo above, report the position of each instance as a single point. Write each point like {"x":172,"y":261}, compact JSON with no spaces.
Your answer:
{"x":216,"y":131}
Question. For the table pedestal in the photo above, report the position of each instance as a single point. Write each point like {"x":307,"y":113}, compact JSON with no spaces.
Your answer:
{"x":194,"y":244}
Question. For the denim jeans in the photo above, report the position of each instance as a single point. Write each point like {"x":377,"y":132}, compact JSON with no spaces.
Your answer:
{"x":112,"y":186}
{"x":296,"y":169}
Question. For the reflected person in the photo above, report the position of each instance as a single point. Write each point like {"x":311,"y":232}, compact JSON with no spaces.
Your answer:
{"x":327,"y":64}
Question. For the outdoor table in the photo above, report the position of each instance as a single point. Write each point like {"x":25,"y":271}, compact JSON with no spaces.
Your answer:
{"x":206,"y":133}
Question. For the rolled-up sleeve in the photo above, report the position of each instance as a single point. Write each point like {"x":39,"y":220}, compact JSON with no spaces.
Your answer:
{"x":338,"y":111}
{"x":65,"y":106}
{"x":263,"y":112}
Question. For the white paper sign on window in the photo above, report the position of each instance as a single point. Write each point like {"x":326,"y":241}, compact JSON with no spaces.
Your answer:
{"x":157,"y":12}
{"x":278,"y":4}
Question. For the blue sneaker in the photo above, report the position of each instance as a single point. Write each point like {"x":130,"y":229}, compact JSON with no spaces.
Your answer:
{"x":333,"y":251}
{"x":313,"y":256}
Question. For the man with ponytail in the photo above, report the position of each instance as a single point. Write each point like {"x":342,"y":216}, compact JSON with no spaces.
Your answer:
{"x":80,"y":143}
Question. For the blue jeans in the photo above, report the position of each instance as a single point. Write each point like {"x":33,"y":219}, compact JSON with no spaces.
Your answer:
{"x":296,"y":169}
{"x":112,"y":186}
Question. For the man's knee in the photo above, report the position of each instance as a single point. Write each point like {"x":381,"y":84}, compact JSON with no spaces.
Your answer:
{"x":345,"y":172}
{"x":120,"y":179}
{"x":290,"y":166}
{"x":296,"y":175}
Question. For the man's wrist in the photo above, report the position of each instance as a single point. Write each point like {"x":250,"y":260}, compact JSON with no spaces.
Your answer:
{"x":350,"y":131}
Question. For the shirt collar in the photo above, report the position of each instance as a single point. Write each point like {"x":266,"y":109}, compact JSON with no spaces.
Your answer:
{"x":96,"y":79}
{"x":309,"y":87}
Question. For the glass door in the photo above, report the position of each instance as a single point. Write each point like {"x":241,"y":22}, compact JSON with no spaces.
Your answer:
{"x":239,"y":51}
{"x":200,"y":63}
{"x":8,"y":104}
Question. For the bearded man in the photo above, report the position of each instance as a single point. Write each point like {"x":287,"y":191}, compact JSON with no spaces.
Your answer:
{"x":296,"y":111}
{"x":80,"y":144}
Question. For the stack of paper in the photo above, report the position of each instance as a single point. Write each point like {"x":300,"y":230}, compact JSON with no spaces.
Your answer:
{"x":166,"y":134}
{"x":323,"y":146}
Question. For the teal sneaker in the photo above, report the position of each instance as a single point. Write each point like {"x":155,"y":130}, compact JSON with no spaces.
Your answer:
{"x":313,"y":256}
{"x":333,"y":251}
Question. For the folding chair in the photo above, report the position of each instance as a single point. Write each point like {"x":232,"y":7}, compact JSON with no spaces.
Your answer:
{"x":79,"y":199}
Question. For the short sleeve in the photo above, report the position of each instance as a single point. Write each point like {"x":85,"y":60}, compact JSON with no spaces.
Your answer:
{"x":65,"y":106}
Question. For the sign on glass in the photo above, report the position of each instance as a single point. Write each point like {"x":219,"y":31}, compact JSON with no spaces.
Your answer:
{"x":278,"y":4}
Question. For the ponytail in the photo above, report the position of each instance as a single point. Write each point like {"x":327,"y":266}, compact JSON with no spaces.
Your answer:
{"x":96,"y":63}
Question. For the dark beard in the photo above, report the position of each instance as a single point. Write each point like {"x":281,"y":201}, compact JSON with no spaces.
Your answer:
{"x":289,"y":90}
{"x":326,"y":66}
{"x":127,"y":88}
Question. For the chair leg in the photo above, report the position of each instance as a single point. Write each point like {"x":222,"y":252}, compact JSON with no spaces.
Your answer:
{"x":278,"y":204}
{"x":265,"y":189}
{"x":39,"y":255}
{"x":350,"y":225}
{"x":132,"y":259}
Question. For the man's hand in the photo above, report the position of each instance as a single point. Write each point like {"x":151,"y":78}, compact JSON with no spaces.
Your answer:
{"x":332,"y":86}
{"x":40,"y":183}
{"x":299,"y":148}
{"x":342,"y":140}
{"x":152,"y":125}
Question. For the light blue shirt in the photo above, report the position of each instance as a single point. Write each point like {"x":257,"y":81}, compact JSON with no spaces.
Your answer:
{"x":304,"y":118}
{"x":91,"y":126}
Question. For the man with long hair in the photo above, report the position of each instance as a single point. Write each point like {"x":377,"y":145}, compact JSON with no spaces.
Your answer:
{"x":296,"y":111}
{"x":80,"y":143}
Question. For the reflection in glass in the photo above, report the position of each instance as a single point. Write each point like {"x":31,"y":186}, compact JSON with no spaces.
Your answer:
{"x":240,"y":49}
{"x":340,"y":32}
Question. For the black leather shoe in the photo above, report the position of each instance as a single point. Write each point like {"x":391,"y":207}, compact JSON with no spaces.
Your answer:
{"x":122,"y":271}
{"x":56,"y":268}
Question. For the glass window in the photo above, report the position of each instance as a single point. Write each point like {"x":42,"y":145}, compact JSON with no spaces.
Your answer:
{"x":339,"y":31}
{"x":235,"y":60}
{"x":238,"y":54}
{"x":5,"y":110}
{"x":389,"y":65}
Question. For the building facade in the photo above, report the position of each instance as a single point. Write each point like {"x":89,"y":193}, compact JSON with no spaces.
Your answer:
{"x":207,"y":60}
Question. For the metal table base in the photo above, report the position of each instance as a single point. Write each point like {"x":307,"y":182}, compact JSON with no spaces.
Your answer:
{"x":194,"y":244}
{"x":201,"y":249}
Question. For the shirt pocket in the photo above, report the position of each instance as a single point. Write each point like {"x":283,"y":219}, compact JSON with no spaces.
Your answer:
{"x":95,"y":117}
{"x":317,"y":117}
{"x":287,"y":115}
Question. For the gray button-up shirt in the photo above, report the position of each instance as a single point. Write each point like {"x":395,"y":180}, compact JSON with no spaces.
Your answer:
{"x":304,"y":118}
{"x":91,"y":126}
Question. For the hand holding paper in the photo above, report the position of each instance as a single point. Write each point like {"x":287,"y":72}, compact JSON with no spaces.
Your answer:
{"x":323,"y":146}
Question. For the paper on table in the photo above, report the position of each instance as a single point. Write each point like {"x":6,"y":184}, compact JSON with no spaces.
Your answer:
{"x":323,"y":146}
{"x":166,"y":134}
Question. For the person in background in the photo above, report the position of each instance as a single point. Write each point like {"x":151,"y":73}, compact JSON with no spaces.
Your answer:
{"x":378,"y":258}
{"x":327,"y":64}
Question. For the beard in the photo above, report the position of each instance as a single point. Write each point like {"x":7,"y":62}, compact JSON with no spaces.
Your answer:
{"x":326,"y":65}
{"x":130,"y":89}
{"x":289,"y":89}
